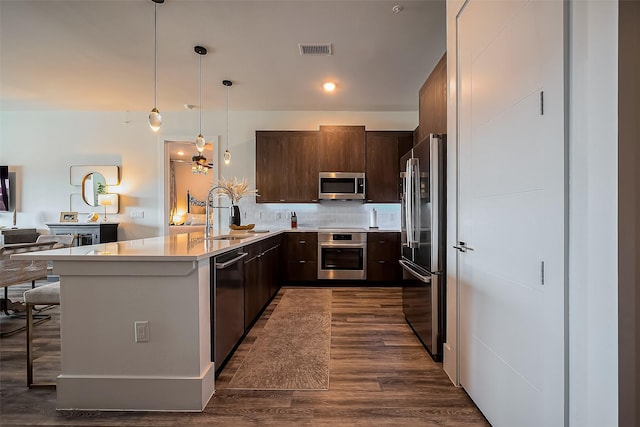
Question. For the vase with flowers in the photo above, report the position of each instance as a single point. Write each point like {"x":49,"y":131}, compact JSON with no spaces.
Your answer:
{"x":234,"y":190}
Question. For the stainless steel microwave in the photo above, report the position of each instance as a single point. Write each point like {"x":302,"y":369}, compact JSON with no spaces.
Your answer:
{"x":341,"y":186}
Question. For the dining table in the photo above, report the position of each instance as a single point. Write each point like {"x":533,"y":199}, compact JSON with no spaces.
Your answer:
{"x":15,"y":272}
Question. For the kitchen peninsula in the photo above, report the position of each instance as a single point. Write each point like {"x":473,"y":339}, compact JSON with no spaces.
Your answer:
{"x":136,"y":321}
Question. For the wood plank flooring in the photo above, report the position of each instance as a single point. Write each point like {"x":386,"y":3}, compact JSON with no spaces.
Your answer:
{"x":380,"y":375}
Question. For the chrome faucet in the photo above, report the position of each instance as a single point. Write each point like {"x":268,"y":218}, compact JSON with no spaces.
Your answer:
{"x":207,"y":202}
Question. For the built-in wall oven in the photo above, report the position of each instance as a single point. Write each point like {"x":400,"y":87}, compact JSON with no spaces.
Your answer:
{"x":342,"y":255}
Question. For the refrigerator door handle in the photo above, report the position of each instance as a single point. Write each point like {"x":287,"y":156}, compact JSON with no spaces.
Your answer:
{"x":407,"y":267}
{"x":412,"y":211}
{"x":407,"y":201}
{"x":434,"y":198}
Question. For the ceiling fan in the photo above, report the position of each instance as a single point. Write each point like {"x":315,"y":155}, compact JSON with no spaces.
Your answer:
{"x":199,"y":162}
{"x":200,"y":165}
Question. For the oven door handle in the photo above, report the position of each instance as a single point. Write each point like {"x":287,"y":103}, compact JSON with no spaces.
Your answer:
{"x":343,"y":245}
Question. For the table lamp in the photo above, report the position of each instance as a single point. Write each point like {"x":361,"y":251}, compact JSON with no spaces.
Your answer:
{"x":106,"y":200}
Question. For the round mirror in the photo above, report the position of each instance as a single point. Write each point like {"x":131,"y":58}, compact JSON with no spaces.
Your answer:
{"x":92,"y":185}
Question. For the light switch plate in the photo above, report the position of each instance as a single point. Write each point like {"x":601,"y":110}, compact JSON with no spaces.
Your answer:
{"x":142,"y":331}
{"x":136,"y":213}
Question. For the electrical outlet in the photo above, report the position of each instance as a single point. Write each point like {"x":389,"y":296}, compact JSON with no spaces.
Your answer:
{"x":142,"y":331}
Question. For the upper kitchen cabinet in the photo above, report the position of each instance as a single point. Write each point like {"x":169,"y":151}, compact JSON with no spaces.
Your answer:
{"x":287,"y":166}
{"x":302,"y":161}
{"x":384,"y":149}
{"x":342,"y":149}
{"x":433,"y":102}
{"x":271,"y":166}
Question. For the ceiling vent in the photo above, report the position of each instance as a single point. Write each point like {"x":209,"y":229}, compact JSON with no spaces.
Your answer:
{"x":322,"y":49}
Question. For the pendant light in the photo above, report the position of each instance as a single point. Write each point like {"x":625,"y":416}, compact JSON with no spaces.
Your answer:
{"x":200,"y":141}
{"x":227,"y":153}
{"x":155,"y":119}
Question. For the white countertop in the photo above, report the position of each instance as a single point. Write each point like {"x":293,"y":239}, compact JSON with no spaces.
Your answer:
{"x":178,"y":247}
{"x":340,"y":229}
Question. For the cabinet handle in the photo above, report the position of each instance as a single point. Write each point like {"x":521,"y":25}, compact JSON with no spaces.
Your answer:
{"x":302,"y":242}
{"x":382,"y":241}
{"x":314,"y":200}
{"x":381,"y":262}
{"x":282,"y":200}
{"x":302,"y":262}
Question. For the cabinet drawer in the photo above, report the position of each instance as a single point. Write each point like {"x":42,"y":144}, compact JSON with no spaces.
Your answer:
{"x":301,"y":246}
{"x":302,"y":270}
{"x":383,"y":246}
{"x":383,"y":270}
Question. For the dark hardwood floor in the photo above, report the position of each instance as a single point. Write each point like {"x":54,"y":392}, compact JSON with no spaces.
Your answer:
{"x":380,"y":375}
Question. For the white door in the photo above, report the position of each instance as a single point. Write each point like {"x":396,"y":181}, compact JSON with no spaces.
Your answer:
{"x":512,"y":210}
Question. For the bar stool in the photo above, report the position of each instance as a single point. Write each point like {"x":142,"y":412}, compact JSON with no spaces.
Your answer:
{"x":42,"y":295}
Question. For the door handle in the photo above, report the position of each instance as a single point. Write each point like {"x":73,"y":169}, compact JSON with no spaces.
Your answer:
{"x":462,"y":247}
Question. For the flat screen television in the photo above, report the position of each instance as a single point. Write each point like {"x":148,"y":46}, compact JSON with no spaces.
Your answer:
{"x":5,"y":189}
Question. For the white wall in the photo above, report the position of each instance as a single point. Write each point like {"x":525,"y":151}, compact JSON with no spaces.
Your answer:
{"x":40,"y":147}
{"x":593,"y":269}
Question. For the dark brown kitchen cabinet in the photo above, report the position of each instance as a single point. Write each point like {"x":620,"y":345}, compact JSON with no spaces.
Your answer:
{"x":272,"y":269}
{"x":341,"y":149}
{"x":261,"y":276}
{"x":432,"y":110}
{"x":383,"y":149}
{"x":271,"y":181}
{"x":287,"y":166}
{"x":383,"y":253}
{"x":302,"y":162}
{"x":301,"y":255}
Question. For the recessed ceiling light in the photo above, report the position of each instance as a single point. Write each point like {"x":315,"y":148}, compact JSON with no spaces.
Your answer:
{"x":329,"y":86}
{"x":180,"y":153}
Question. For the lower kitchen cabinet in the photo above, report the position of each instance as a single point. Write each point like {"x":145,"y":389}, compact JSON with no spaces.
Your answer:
{"x":301,"y":255}
{"x":261,"y":276}
{"x":383,"y":253}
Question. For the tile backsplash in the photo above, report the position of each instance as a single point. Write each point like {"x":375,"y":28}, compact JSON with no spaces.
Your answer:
{"x":325,"y":214}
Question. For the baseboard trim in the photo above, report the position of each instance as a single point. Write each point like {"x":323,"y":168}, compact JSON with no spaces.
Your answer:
{"x":179,"y":394}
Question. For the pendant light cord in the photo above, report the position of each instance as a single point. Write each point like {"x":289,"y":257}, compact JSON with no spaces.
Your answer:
{"x":155,"y":55}
{"x":200,"y":93}
{"x":227,"y":118}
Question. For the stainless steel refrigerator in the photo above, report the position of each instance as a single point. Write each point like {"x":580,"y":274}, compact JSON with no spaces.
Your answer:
{"x":423,"y":233}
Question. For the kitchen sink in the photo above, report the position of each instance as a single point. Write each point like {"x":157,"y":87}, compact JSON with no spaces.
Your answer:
{"x":229,"y":237}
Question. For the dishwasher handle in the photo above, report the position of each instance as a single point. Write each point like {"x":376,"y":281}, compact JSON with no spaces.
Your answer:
{"x":223,"y":265}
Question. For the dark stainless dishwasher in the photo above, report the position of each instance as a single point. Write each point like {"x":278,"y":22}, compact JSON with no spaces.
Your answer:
{"x":227,"y":304}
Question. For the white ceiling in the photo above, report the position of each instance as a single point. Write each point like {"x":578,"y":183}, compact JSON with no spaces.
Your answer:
{"x":183,"y":151}
{"x":97,"y":55}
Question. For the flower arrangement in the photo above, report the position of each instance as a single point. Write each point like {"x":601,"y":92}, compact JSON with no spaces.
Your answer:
{"x":233,"y":189}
